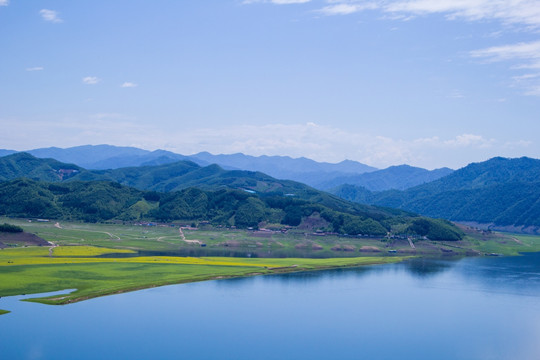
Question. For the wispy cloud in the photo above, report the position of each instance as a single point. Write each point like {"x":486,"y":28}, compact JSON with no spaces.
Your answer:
{"x":524,"y":12}
{"x":36,"y":68}
{"x":50,"y":15}
{"x":90,"y":80}
{"x":283,"y":2}
{"x":521,"y":56}
{"x":527,"y":53}
{"x":128,"y":85}
{"x":277,"y":2}
{"x":456,"y":94}
{"x":4,"y":2}
{"x":460,"y":141}
{"x":346,"y":8}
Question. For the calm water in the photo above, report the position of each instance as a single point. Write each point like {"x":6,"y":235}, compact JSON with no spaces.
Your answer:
{"x":476,"y":308}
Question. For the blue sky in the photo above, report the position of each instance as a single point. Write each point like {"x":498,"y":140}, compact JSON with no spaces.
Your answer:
{"x":430,"y":83}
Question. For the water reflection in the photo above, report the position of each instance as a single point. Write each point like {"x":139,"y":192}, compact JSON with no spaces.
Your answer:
{"x":425,"y":267}
{"x":239,"y":252}
{"x":419,"y":309}
{"x":519,"y":275}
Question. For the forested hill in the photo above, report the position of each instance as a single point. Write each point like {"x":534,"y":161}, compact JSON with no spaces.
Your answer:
{"x":25,"y":165}
{"x":109,"y":201}
{"x":169,"y":177}
{"x":505,"y":192}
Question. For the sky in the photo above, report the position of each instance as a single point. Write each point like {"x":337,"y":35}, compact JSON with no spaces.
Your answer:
{"x":429,"y":83}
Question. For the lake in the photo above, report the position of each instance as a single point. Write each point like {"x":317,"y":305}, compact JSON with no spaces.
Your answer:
{"x":474,"y":308}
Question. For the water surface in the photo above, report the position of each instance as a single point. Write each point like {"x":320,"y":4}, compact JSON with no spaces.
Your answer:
{"x":475,"y":308}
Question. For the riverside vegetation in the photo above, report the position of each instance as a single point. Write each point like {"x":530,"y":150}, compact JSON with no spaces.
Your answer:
{"x":96,"y":271}
{"x":104,"y":259}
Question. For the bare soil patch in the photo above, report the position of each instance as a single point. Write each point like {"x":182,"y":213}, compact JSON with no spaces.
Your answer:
{"x":343,"y":248}
{"x":370,"y":249}
{"x":22,"y":238}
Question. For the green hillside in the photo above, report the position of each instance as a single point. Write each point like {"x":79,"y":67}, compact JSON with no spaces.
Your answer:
{"x":99,"y":201}
{"x":505,"y":192}
{"x":25,"y":165}
{"x":178,"y":176}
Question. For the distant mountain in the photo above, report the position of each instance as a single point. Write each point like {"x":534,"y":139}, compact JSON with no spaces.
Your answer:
{"x":303,"y":170}
{"x":282,"y":164}
{"x":503,"y":192}
{"x":86,"y":155}
{"x":101,"y":157}
{"x":108,"y":156}
{"x":395,"y":177}
{"x":4,"y":152}
{"x":157,"y":157}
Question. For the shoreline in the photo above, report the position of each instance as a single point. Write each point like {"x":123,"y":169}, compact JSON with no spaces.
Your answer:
{"x":200,"y":269}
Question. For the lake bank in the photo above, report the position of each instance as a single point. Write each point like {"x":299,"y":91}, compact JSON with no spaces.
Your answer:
{"x":34,"y":270}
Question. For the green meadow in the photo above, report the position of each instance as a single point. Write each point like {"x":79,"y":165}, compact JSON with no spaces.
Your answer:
{"x":35,"y":270}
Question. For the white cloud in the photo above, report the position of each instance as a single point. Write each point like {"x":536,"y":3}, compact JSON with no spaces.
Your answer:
{"x":128,"y":85}
{"x":91,"y":80}
{"x":4,"y":2}
{"x":50,"y":15}
{"x":36,"y":68}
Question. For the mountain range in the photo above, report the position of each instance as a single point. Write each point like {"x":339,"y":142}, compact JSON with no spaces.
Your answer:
{"x":499,"y":193}
{"x":186,"y":191}
{"x":320,"y":175}
{"x":170,"y":177}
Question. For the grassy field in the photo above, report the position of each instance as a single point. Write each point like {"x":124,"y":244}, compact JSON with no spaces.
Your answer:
{"x":492,"y":243}
{"x":34,"y":270}
{"x":224,"y":242}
